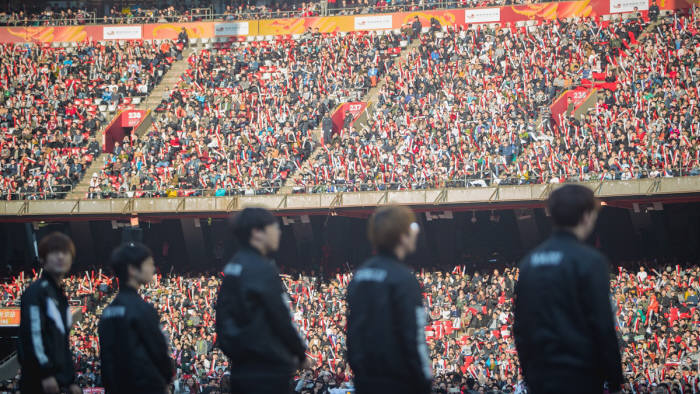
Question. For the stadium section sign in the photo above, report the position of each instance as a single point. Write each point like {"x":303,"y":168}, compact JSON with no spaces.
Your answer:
{"x":122,"y":32}
{"x":373,"y":22}
{"x":617,"y":6}
{"x":132,"y":118}
{"x":354,"y":108}
{"x":482,"y":15}
{"x":231,"y":29}
{"x":9,"y":317}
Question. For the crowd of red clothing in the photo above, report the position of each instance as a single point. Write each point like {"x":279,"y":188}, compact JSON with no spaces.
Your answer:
{"x":241,"y":118}
{"x":198,"y":10}
{"x":468,"y":331}
{"x":50,"y":101}
{"x":466,"y":109}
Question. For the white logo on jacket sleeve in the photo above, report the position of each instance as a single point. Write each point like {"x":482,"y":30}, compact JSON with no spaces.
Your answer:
{"x":35,"y":328}
{"x":69,"y":318}
{"x":546,"y":258}
{"x":370,"y":275}
{"x":53,"y":314}
{"x":114,"y":311}
{"x":232,"y":269}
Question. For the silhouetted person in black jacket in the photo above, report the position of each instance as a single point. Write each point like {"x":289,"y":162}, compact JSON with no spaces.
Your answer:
{"x":327,"y":126}
{"x":653,"y":11}
{"x":134,"y":352}
{"x":45,"y":321}
{"x":253,"y":313}
{"x":386,"y":317}
{"x":564,"y":323}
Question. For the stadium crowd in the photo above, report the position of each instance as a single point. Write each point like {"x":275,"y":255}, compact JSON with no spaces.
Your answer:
{"x":465,"y":107}
{"x":88,"y":293}
{"x":647,"y":123}
{"x":240,"y":119}
{"x":468,"y":331}
{"x":198,"y":10}
{"x":50,"y":108}
{"x":440,"y":118}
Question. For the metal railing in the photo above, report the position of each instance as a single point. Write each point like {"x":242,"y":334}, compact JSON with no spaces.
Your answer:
{"x":185,"y":192}
{"x":37,"y":195}
{"x":87,"y":18}
{"x":487,"y":180}
{"x":349,"y":186}
{"x":199,"y":15}
{"x":464,"y":182}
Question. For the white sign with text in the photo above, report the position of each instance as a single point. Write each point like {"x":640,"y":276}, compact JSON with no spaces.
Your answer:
{"x":121,"y":32}
{"x":373,"y":22}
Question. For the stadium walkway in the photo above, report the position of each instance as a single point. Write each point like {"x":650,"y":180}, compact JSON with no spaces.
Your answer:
{"x":370,"y":97}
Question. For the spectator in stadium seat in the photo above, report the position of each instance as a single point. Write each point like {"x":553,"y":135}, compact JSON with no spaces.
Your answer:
{"x":653,"y":11}
{"x":416,"y":27}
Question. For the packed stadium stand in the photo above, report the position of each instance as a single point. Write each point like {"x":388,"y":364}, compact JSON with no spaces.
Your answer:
{"x":242,"y":116}
{"x":469,"y":330}
{"x":199,"y":10}
{"x":460,"y":106}
{"x":53,"y":105}
{"x":649,"y":120}
{"x":460,"y":110}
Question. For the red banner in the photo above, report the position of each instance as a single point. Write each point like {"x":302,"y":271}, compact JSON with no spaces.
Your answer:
{"x":355,"y":109}
{"x":599,"y":85}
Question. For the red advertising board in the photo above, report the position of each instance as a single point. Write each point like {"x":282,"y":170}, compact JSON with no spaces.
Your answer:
{"x":328,"y":24}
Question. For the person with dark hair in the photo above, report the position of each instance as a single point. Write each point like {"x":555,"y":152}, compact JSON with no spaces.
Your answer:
{"x":387,"y":349}
{"x":253,"y":311}
{"x":45,"y":320}
{"x":134,"y":352}
{"x":653,"y":11}
{"x":564,"y":322}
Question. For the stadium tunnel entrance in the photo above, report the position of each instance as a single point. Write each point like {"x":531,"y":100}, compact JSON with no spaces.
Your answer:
{"x":476,"y":239}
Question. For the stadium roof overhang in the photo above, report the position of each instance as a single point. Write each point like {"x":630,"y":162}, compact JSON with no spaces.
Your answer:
{"x":622,"y":194}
